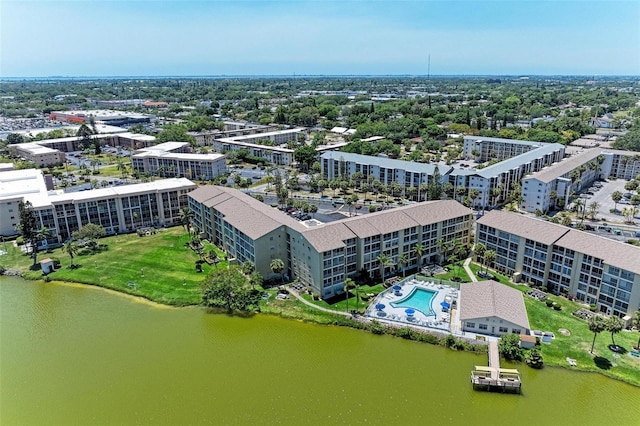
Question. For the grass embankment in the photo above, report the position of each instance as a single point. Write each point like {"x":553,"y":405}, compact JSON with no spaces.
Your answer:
{"x":578,"y":344}
{"x":159,"y":267}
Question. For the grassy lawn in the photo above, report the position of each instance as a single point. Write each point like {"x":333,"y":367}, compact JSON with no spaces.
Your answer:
{"x":498,"y":277}
{"x":160,"y":265}
{"x":578,"y":343}
{"x":341,"y":305}
{"x":454,"y":271}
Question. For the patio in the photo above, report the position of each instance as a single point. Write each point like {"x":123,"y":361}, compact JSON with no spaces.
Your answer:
{"x":385,"y":307}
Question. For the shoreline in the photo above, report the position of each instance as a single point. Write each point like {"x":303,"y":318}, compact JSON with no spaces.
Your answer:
{"x":338,"y":321}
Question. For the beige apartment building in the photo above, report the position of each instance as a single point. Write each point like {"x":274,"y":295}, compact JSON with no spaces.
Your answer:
{"x":594,"y":269}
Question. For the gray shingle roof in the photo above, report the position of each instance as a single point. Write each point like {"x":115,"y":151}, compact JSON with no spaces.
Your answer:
{"x":485,"y":299}
{"x":385,"y":162}
{"x":329,"y":237}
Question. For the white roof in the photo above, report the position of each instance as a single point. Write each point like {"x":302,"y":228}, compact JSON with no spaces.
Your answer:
{"x":25,"y":184}
{"x":167,"y":146}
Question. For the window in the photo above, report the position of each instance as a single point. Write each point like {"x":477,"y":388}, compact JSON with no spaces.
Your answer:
{"x":482,"y":326}
{"x":516,"y":331}
{"x":504,"y":330}
{"x":471,"y":324}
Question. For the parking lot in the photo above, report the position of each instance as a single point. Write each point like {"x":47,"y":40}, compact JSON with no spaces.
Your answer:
{"x":603,"y":197}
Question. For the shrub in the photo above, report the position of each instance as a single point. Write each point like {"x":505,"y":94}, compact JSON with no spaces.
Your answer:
{"x":557,"y":307}
{"x":549,"y":303}
{"x":20,"y":241}
{"x":592,"y":307}
{"x":509,"y":347}
{"x":533,"y":358}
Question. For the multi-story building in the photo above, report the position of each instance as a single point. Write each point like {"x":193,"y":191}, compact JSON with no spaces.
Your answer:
{"x":119,"y":209}
{"x":41,"y":156}
{"x":335,"y":164}
{"x":621,"y":164}
{"x":594,"y":269}
{"x":110,"y":117}
{"x":174,"y":159}
{"x":552,"y":186}
{"x":322,"y":256}
{"x":482,"y":149}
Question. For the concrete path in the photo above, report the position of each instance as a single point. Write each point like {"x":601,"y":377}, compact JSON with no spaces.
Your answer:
{"x":469,"y":272}
{"x":320,"y":308}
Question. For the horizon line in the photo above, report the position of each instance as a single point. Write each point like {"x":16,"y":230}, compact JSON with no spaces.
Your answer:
{"x":294,"y":76}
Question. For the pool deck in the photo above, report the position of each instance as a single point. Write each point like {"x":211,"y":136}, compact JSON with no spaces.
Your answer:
{"x":436,"y":319}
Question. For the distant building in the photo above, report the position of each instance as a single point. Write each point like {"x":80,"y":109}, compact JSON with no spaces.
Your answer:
{"x":109,"y":117}
{"x":604,"y":122}
{"x":175,"y":159}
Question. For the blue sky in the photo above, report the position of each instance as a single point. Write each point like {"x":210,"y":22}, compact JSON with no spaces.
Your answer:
{"x":119,"y":38}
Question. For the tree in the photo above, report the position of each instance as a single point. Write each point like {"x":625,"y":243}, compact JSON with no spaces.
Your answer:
{"x":403,"y":262}
{"x":616,"y":197}
{"x":247,"y":268}
{"x":89,"y":232}
{"x":70,"y":248}
{"x":596,"y":326}
{"x":489,"y":258}
{"x":636,"y":324}
{"x":228,"y":289}
{"x":175,"y":133}
{"x":480,"y":250}
{"x":533,"y":358}
{"x":383,"y":261}
{"x":277,"y":267}
{"x":509,"y":347}
{"x":255,"y":279}
{"x":27,"y":227}
{"x":186,"y":214}
{"x":305,"y":156}
{"x":348,"y":283}
{"x":593,"y":209}
{"x":419,"y":249}
{"x":629,"y":213}
{"x":614,"y":325}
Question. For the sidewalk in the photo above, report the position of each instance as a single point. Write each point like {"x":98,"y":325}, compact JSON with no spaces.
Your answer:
{"x":306,"y":302}
{"x":468,"y":270}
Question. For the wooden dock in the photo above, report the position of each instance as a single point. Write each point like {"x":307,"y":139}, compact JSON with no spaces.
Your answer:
{"x":493,"y":378}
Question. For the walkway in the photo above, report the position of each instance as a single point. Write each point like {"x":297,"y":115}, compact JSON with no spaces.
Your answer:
{"x":468,"y":270}
{"x":306,"y":302}
{"x":494,"y":359}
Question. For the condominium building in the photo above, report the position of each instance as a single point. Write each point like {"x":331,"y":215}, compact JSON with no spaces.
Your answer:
{"x":552,"y":186}
{"x":175,"y":159}
{"x":335,"y":164}
{"x":594,"y":269}
{"x":322,"y":256}
{"x":483,"y":149}
{"x":268,"y":145}
{"x":110,"y":117}
{"x":119,"y":209}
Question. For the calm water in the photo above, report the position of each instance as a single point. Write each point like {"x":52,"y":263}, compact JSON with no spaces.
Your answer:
{"x":78,"y":355}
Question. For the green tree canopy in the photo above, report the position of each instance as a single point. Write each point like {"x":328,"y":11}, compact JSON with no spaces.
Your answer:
{"x":228,"y":289}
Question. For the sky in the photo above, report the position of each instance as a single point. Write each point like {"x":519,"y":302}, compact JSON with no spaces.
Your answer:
{"x":318,"y":37}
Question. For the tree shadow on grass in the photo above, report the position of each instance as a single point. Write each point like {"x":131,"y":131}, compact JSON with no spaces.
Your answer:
{"x":602,"y":363}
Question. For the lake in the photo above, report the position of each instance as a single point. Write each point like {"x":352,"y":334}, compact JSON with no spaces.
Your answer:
{"x":82,"y":355}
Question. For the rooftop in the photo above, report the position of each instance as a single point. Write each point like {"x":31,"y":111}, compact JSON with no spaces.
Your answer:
{"x":561,"y":168}
{"x":485,"y":299}
{"x":385,"y":162}
{"x":527,"y":227}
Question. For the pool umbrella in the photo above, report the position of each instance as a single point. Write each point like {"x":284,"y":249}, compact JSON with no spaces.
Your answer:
{"x":380,"y":306}
{"x":445,"y":305}
{"x":397,"y":288}
{"x":409,"y":311}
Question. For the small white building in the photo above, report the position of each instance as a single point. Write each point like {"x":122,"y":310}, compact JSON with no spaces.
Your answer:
{"x":488,"y":307}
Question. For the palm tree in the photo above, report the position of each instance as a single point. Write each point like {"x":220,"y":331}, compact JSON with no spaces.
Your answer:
{"x":348,"y":283}
{"x":403,"y":260}
{"x":596,"y":325}
{"x":71,"y":249}
{"x":614,"y":325}
{"x":277,"y":267}
{"x":186,"y":214}
{"x":636,"y":324}
{"x":383,"y":260}
{"x":419,"y":249}
{"x":480,"y":250}
{"x":489,"y":258}
{"x":616,"y":197}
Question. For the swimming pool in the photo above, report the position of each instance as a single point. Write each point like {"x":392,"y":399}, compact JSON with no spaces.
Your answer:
{"x":419,"y":299}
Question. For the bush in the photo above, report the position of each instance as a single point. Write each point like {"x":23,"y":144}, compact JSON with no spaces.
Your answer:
{"x":549,"y":303}
{"x":509,"y":347}
{"x":533,"y":358}
{"x":557,"y":307}
{"x":592,"y":307}
{"x":20,"y":241}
